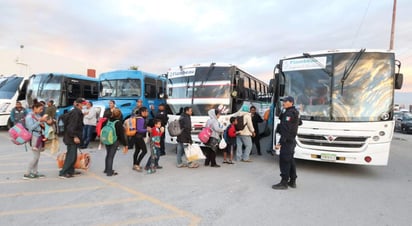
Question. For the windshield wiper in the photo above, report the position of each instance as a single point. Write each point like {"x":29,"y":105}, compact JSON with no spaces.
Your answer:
{"x":323,"y":67}
{"x":41,"y":86}
{"x":349,"y":69}
{"x":211,"y":68}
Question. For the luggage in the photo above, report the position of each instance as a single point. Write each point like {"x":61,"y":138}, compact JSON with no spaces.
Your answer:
{"x":82,"y":162}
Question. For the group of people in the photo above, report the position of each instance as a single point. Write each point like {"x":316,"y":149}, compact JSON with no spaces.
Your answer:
{"x":81,"y":123}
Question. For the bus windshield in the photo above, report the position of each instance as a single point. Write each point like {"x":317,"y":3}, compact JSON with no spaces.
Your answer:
{"x":206,"y":88}
{"x":9,"y":86}
{"x":45,"y":87}
{"x":121,"y":88}
{"x":364,"y":95}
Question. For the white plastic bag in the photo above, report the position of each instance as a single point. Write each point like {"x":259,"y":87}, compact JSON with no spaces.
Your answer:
{"x":193,"y":152}
{"x":222,"y":144}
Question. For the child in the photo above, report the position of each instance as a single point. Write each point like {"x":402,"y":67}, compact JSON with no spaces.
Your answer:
{"x":153,"y":161}
{"x":230,"y":138}
{"x":50,"y":136}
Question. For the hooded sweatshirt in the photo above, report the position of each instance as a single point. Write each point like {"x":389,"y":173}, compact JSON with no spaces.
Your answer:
{"x":214,"y":124}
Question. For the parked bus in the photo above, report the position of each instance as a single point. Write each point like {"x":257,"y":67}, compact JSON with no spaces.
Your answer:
{"x":210,"y":86}
{"x":346,"y":102}
{"x":12,"y":89}
{"x":125,"y":87}
{"x":63,"y":89}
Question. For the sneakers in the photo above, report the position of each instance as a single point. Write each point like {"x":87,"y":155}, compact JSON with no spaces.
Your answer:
{"x":248,"y":160}
{"x":159,"y":167}
{"x":181,"y":165}
{"x":30,"y":176}
{"x":40,"y":175}
{"x":65,"y":176}
{"x":137,"y":168}
{"x":151,"y":171}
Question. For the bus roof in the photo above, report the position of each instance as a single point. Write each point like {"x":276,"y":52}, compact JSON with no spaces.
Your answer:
{"x":211,"y":64}
{"x":74,"y":76}
{"x":126,"y":74}
{"x":320,"y":52}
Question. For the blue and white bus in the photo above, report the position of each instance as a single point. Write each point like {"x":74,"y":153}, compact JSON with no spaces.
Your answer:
{"x":63,"y":89}
{"x":12,"y":88}
{"x":125,"y":87}
{"x":210,"y":86}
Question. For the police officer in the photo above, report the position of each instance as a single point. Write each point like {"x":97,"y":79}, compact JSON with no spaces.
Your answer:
{"x":288,"y":127}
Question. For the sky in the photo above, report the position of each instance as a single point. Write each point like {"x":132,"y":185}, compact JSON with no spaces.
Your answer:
{"x":71,"y":36}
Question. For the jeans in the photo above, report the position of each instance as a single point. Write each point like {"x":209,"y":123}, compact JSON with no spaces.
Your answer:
{"x":34,"y":163}
{"x":180,"y":152}
{"x":110,"y":153}
{"x":87,"y":135}
{"x":247,"y":142}
{"x":71,"y":157}
{"x":153,"y":160}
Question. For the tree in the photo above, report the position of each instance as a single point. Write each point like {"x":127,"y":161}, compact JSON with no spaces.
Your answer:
{"x":134,"y":68}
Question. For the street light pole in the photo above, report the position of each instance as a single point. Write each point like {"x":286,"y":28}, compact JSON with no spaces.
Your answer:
{"x":393,"y":25}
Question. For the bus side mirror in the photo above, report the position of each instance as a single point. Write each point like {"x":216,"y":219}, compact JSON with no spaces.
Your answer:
{"x":398,"y":80}
{"x":272,"y":86}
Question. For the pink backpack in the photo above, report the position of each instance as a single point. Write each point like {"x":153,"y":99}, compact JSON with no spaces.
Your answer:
{"x":19,"y":135}
{"x":205,"y":134}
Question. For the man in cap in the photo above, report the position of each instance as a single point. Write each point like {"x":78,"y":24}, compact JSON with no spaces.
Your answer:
{"x":73,"y":130}
{"x":288,"y":127}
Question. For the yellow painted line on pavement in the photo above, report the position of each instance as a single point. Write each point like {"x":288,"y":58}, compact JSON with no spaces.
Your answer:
{"x":24,"y":171}
{"x":80,"y":205}
{"x":143,"y":220}
{"x":195,"y":220}
{"x":8,"y":156}
{"x":30,"y":180}
{"x":26,"y":163}
{"x":50,"y":191}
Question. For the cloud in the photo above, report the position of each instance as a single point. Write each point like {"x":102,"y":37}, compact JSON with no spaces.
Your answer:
{"x":155,"y":35}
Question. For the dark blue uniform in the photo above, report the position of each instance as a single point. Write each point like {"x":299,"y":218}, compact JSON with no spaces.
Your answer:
{"x":288,"y":128}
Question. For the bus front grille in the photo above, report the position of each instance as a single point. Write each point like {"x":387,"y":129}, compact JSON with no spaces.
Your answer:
{"x":332,"y":141}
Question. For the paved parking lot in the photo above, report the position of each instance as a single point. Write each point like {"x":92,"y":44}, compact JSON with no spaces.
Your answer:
{"x":239,"y":194}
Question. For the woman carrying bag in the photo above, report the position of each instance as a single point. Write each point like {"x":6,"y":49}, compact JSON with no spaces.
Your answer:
{"x":35,"y":125}
{"x":213,"y":142}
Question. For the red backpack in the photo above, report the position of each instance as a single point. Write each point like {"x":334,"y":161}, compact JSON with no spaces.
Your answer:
{"x":99,"y":125}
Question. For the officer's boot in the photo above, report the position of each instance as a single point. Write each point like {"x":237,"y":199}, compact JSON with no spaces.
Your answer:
{"x":281,"y":186}
{"x":292,"y":183}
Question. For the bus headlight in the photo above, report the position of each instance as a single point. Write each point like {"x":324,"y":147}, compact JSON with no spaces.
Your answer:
{"x":382,"y":133}
{"x":375,"y":138}
{"x":4,"y":106}
{"x":385,"y":116}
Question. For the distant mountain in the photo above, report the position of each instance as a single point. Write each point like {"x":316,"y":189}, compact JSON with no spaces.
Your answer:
{"x":404,"y":99}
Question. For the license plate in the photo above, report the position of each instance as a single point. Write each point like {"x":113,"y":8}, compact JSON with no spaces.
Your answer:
{"x":328,"y":157}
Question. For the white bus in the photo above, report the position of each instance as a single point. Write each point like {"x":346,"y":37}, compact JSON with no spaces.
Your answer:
{"x":210,"y":86}
{"x":345,"y":99}
{"x":12,"y":88}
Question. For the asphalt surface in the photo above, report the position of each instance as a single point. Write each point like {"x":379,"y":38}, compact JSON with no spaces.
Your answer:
{"x":239,"y":194}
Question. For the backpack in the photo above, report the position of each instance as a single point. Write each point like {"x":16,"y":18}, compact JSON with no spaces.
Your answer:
{"x":130,"y":126}
{"x":205,"y":134}
{"x":240,"y":123}
{"x":108,"y":134}
{"x":99,"y":125}
{"x":226,"y":137}
{"x":174,"y":128}
{"x":19,"y":135}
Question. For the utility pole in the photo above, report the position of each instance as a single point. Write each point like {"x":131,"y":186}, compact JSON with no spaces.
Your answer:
{"x":393,"y":25}
{"x":19,"y":62}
